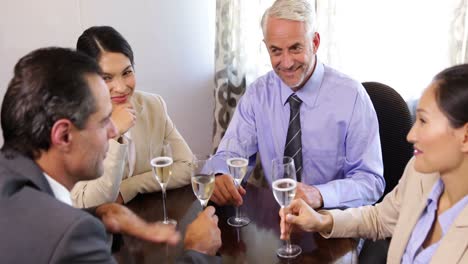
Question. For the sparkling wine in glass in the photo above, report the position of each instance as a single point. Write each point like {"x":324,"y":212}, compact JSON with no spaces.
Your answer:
{"x":161,"y":163}
{"x":237,"y":161}
{"x":203,"y":179}
{"x":284,"y":189}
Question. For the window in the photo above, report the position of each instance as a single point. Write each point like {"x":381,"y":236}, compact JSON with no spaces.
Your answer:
{"x":400,"y":43}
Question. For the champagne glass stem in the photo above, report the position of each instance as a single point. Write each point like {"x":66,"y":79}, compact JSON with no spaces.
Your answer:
{"x":164,"y":204}
{"x":288,"y":245}
{"x":237,"y":212}
{"x":288,"y":241}
{"x":238,"y":220}
{"x":237,"y":207}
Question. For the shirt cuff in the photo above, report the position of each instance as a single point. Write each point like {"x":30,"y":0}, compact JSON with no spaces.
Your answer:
{"x":329,"y":196}
{"x":342,"y":226}
{"x":325,"y":234}
{"x":115,"y":145}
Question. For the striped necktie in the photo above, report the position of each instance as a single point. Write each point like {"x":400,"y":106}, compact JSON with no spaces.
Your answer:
{"x":293,"y":147}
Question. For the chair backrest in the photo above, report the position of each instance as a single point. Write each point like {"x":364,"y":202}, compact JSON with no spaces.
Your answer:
{"x":394,"y":124}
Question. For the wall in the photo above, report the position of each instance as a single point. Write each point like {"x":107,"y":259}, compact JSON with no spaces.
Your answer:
{"x":173,"y":42}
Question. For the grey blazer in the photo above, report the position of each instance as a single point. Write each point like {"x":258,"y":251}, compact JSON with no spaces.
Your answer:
{"x":37,"y":228}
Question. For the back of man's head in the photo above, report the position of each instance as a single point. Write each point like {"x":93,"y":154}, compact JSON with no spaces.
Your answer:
{"x":48,"y":84}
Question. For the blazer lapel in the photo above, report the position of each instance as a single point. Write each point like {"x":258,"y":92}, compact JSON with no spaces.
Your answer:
{"x":417,"y":204}
{"x":140,"y":128}
{"x":454,"y":244}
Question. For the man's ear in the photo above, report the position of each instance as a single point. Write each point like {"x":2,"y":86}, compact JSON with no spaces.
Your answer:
{"x":316,"y":41}
{"x":61,"y":136}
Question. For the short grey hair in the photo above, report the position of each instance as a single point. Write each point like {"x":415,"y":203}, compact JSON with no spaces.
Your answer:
{"x":297,"y":10}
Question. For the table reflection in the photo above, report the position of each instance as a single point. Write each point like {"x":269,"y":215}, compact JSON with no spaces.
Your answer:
{"x":255,"y":243}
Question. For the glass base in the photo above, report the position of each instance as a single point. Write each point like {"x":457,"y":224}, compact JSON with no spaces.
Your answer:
{"x":238,"y":221}
{"x":290,"y":252}
{"x":170,"y":222}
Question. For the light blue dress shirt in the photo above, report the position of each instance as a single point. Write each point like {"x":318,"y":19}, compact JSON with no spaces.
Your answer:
{"x":415,"y":253}
{"x":340,"y":135}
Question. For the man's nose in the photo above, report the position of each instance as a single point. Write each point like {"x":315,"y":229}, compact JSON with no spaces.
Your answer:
{"x":286,"y":60}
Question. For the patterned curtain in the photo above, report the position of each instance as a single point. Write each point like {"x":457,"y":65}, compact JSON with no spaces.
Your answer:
{"x":459,"y":26}
{"x":240,"y":58}
{"x":238,"y":54}
{"x":230,"y":76}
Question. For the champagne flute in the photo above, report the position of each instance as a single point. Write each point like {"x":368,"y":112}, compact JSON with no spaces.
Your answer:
{"x":284,"y":189}
{"x":203,"y":179}
{"x":237,"y":161}
{"x":161,"y":163}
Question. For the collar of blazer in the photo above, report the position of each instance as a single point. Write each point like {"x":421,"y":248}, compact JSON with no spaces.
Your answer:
{"x":453,"y":245}
{"x":20,"y":171}
{"x":419,"y":186}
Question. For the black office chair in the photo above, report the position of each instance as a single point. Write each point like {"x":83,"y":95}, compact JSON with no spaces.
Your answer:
{"x":394,"y":124}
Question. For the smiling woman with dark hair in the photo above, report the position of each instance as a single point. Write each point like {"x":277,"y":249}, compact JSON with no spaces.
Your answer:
{"x":427,"y":213}
{"x":142,"y":122}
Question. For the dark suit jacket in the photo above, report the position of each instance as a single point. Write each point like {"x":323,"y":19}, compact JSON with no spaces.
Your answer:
{"x":37,"y":228}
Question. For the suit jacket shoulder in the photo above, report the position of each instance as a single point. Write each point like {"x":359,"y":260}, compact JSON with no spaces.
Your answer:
{"x":37,"y":228}
{"x":144,"y":100}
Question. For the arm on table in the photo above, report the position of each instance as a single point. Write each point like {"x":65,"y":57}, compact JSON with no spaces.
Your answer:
{"x":375,"y":222}
{"x":119,"y":219}
{"x":182,"y":156}
{"x":202,"y":239}
{"x":309,"y":194}
{"x":363,"y":183}
{"x":226,"y":192}
{"x":300,"y":214}
{"x":241,"y":129}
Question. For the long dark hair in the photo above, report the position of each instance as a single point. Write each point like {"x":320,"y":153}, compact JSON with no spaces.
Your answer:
{"x":98,"y":39}
{"x":452,"y":94}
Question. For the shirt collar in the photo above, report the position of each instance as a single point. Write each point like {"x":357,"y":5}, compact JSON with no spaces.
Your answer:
{"x":436,"y":192}
{"x":60,"y":192}
{"x":309,"y":92}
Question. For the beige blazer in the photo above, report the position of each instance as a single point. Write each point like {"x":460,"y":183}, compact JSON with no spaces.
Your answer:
{"x":397,"y":215}
{"x":153,"y":125}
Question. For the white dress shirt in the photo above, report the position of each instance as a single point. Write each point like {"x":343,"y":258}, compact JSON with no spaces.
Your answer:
{"x":60,"y":192}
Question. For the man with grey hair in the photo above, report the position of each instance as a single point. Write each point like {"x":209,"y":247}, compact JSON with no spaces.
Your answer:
{"x":304,"y":109}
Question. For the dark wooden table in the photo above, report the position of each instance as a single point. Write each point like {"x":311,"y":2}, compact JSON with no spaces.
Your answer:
{"x":255,"y":243}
